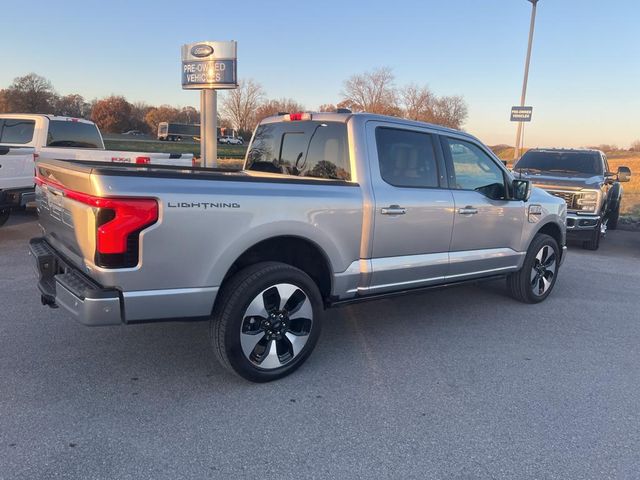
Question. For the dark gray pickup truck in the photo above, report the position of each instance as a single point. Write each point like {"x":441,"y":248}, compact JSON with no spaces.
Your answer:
{"x":582,"y":179}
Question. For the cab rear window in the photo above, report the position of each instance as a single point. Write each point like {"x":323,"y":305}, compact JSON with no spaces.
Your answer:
{"x":16,"y":131}
{"x":303,"y":149}
{"x":69,"y":134}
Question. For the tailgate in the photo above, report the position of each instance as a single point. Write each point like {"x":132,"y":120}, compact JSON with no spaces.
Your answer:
{"x":68,"y":225}
{"x":116,"y":156}
{"x":84,"y":222}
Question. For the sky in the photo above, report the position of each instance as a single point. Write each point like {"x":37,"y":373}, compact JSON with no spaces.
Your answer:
{"x":584,"y":82}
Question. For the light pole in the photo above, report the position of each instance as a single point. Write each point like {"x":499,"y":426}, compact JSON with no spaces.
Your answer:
{"x":519,"y":134}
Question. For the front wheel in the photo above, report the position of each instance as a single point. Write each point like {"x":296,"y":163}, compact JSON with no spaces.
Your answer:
{"x":594,"y":239}
{"x":4,"y":216}
{"x":537,"y":277}
{"x":266,"y":321}
{"x":614,"y":216}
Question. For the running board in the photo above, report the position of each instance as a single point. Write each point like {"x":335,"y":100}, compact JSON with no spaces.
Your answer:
{"x":332,"y":302}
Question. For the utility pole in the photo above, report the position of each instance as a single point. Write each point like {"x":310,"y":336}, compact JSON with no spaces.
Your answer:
{"x":519,"y":134}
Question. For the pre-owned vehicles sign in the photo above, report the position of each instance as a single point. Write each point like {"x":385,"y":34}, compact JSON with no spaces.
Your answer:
{"x":521,"y":114}
{"x":209,"y":65}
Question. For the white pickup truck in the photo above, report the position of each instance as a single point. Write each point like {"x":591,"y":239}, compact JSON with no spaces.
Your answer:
{"x":16,"y":179}
{"x":66,"y":138}
{"x":25,"y":137}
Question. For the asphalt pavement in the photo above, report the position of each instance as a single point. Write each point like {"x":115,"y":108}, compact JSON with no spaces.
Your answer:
{"x":462,"y":383}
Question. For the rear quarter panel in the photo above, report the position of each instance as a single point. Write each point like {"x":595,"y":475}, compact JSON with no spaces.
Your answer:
{"x":193,"y":245}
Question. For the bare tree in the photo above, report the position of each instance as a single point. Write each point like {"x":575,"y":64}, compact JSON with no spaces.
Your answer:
{"x":31,"y":94}
{"x":239,"y":105}
{"x":4,"y":102}
{"x":273,"y":107}
{"x":327,"y":107}
{"x":418,"y":102}
{"x":450,"y":111}
{"x":635,"y":146}
{"x":372,"y":92}
{"x":189,"y":115}
{"x":72,"y":105}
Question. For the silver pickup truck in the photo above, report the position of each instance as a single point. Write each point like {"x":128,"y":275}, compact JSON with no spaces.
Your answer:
{"x":330,"y":208}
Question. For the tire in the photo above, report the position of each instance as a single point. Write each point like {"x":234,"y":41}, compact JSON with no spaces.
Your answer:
{"x":594,"y":242}
{"x":260,"y":311}
{"x":612,"y":224}
{"x":537,"y":277}
{"x":4,"y":216}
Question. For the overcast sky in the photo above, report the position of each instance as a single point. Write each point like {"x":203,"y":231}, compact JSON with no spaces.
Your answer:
{"x":585,"y":72}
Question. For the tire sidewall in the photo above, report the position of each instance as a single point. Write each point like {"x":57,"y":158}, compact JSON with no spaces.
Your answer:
{"x":234,"y":311}
{"x":4,"y":216}
{"x":536,"y":246}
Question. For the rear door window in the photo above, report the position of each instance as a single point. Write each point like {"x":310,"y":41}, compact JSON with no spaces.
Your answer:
{"x":407,"y":158}
{"x":70,"y":134}
{"x":16,"y":131}
{"x":303,"y":149}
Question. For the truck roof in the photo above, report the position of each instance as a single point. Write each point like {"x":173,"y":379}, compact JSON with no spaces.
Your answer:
{"x":344,"y":118}
{"x":30,"y":116}
{"x":567,"y":150}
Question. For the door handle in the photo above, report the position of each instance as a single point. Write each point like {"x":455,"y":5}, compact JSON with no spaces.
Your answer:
{"x":393,"y":210}
{"x":468,"y":210}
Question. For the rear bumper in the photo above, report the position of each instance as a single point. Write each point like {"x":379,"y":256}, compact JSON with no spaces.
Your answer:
{"x":62,"y":285}
{"x":17,"y":198}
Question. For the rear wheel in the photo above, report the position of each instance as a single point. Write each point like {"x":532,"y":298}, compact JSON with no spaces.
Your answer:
{"x":266,"y":321}
{"x":537,"y":277}
{"x":4,"y":216}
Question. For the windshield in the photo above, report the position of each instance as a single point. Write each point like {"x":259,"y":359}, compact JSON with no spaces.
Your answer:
{"x":576,"y":163}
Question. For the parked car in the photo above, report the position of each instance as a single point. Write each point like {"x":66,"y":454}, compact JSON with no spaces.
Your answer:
{"x":228,"y":140}
{"x":135,"y":133}
{"x":16,"y":179}
{"x":329,"y":209}
{"x":69,"y":138}
{"x":582,"y":178}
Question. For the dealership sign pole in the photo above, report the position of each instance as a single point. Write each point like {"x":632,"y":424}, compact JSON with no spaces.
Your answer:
{"x":516,"y":152}
{"x":208,"y":67}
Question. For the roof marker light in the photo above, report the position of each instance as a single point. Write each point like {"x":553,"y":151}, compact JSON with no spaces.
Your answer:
{"x":297,"y":117}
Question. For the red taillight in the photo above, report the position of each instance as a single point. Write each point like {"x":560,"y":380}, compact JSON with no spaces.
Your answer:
{"x":125,"y":216}
{"x":129,"y":216}
{"x":143,"y":160}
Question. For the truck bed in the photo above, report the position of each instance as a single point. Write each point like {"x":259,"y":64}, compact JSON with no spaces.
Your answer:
{"x":206,"y":220}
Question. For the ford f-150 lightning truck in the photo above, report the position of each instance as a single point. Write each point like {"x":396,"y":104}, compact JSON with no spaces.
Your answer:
{"x":329,"y":208}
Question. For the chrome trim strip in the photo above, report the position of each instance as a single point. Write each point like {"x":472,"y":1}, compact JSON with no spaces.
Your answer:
{"x":482,"y":272}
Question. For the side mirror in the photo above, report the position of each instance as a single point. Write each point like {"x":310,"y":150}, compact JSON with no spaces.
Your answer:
{"x":624,"y":174}
{"x":521,"y":189}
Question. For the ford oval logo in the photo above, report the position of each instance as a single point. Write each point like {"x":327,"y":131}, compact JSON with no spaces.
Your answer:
{"x":201,"y":50}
